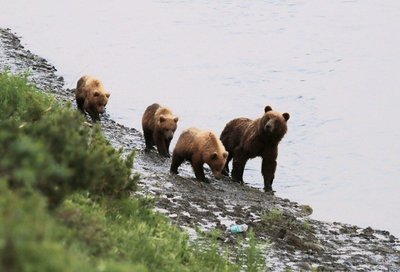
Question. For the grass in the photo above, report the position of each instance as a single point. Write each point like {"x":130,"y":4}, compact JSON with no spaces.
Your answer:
{"x":273,"y":216}
{"x":65,"y":205}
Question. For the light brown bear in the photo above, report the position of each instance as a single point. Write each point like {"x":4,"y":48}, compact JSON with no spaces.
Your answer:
{"x":91,"y":97}
{"x":159,"y":125}
{"x":199,"y":147}
{"x":245,"y":139}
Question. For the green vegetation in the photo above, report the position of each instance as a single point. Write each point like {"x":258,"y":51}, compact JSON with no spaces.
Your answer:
{"x":274,"y":216}
{"x":64,"y":199}
{"x":278,"y":219}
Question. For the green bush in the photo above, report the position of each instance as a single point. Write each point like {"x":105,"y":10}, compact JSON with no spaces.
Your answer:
{"x":20,"y":100}
{"x":48,"y":146}
{"x":30,"y":238}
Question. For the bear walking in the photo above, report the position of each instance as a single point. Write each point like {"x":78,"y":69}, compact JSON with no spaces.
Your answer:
{"x":245,"y":139}
{"x":159,"y":125}
{"x":199,"y":147}
{"x":91,"y":97}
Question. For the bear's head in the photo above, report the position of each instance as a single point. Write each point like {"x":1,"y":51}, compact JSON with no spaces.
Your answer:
{"x":274,"y":124}
{"x":101,"y":100}
{"x":98,"y":96}
{"x":97,"y":100}
{"x":167,"y":125}
{"x":215,"y":155}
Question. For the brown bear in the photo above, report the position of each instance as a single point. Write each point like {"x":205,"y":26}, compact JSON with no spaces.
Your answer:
{"x":199,"y":147}
{"x":159,"y":125}
{"x":91,"y":97}
{"x":245,"y":139}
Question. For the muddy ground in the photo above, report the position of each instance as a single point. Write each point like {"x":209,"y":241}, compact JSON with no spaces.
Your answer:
{"x":297,"y":242}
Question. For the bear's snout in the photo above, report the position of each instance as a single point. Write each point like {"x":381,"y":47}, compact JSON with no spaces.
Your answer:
{"x":101,"y":109}
{"x":169,"y":134}
{"x":268,"y":126}
{"x":217,"y":174}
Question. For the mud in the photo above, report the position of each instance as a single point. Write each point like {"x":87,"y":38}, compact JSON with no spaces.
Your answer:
{"x":297,"y":242}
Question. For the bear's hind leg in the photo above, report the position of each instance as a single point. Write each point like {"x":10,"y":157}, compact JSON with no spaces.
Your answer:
{"x":238,"y":165}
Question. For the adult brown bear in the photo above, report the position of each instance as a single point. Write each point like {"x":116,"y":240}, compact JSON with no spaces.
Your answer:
{"x":245,"y":139}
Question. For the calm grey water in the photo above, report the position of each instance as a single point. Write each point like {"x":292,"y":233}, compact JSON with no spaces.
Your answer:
{"x":333,"y":65}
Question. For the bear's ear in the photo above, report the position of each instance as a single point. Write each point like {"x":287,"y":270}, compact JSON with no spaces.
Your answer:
{"x":108,"y":95}
{"x":176,"y":119}
{"x":267,"y":109}
{"x":96,"y":93}
{"x":214,"y":156}
{"x":225,"y":155}
{"x":162,"y":118}
{"x":286,"y":116}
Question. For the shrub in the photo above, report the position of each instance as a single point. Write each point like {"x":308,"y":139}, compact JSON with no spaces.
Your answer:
{"x":30,"y":238}
{"x":47,"y":146}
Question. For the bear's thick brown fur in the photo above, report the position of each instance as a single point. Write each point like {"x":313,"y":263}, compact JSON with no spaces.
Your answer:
{"x":199,"y":147}
{"x":159,"y":125}
{"x":245,"y":139}
{"x":91,"y":97}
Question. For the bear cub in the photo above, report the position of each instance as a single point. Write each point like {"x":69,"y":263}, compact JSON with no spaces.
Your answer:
{"x":91,"y":97}
{"x":245,"y":139}
{"x":199,"y":147}
{"x":159,"y":125}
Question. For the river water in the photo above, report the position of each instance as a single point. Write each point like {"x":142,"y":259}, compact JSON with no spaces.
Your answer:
{"x":333,"y":65}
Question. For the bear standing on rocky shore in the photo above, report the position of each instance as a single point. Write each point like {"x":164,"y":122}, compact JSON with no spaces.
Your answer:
{"x":199,"y":147}
{"x":245,"y":139}
{"x":159,"y":125}
{"x":91,"y":97}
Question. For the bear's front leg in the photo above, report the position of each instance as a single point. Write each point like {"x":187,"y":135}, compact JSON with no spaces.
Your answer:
{"x":268,"y":171}
{"x":148,"y":138}
{"x":167,"y":144}
{"x":161,"y":146}
{"x":95,"y":116}
{"x":198,"y":170}
{"x":239,"y":162}
{"x":268,"y":166}
{"x":176,"y":162}
{"x":225,"y":171}
{"x":80,"y":101}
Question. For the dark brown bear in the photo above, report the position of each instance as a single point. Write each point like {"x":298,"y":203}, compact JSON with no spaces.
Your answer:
{"x":91,"y":97}
{"x":245,"y":139}
{"x":199,"y":147}
{"x":159,"y":125}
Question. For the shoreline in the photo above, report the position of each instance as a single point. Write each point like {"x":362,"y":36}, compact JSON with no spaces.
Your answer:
{"x":297,"y":241}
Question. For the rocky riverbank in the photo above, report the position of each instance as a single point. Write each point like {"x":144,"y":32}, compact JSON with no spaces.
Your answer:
{"x":297,"y":242}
